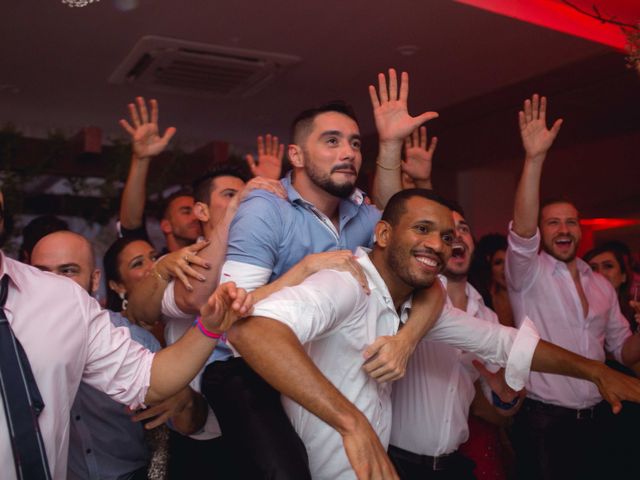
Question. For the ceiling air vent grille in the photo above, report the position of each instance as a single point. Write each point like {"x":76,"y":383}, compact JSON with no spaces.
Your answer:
{"x":177,"y":66}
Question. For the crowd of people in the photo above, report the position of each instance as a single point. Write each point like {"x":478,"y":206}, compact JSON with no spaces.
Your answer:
{"x":293,"y":327}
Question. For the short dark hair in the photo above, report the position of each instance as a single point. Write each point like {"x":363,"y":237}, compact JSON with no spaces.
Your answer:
{"x":301,"y":125}
{"x":203,"y":184}
{"x":396,"y":206}
{"x":166,"y":202}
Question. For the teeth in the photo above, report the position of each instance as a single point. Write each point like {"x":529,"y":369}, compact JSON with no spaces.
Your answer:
{"x":427,"y":261}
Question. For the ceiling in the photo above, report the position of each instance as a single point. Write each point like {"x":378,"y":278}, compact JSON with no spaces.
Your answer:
{"x":56,"y":59}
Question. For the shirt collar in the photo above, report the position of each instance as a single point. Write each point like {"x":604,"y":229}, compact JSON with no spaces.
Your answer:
{"x":377,"y":283}
{"x":474,"y":299}
{"x":559,"y":266}
{"x":357,"y":197}
{"x":7,"y":268}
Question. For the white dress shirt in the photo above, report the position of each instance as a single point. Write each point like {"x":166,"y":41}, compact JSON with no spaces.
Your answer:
{"x":542,"y":288}
{"x":431,"y":402}
{"x":68,"y":338}
{"x":336,"y":320}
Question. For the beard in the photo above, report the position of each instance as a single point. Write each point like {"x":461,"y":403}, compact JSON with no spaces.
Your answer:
{"x":567,"y":257}
{"x":325,"y":182}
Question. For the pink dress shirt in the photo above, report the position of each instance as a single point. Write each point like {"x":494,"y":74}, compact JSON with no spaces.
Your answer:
{"x":68,"y":339}
{"x":541,"y":288}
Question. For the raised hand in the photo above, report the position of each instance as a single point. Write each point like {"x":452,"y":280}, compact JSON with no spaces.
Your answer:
{"x":390,"y":112}
{"x":536,"y":137}
{"x":418,"y":157}
{"x":226,"y":305}
{"x":270,"y":155}
{"x":145,"y":133}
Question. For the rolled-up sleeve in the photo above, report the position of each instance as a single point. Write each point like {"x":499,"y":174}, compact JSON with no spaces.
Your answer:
{"x":522,"y":260}
{"x":493,"y":343}
{"x":315,"y":307}
{"x":116,"y":364}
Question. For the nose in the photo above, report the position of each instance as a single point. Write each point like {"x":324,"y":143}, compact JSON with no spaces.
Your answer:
{"x":434,"y":242}
{"x":563,"y":228}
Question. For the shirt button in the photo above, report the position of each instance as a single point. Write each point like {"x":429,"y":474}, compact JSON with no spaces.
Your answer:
{"x":77,"y":417}
{"x":88,"y":450}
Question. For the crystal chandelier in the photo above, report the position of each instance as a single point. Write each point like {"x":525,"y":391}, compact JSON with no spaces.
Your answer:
{"x":78,"y":3}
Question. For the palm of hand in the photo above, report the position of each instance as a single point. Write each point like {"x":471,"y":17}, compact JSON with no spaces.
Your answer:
{"x":147,"y":142}
{"x":417,"y":163}
{"x":393,"y":120}
{"x":536,"y":137}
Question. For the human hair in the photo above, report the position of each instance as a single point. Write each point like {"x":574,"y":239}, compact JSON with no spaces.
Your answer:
{"x":166,"y":202}
{"x":553,"y":200}
{"x":36,"y":229}
{"x":480,"y":270}
{"x":111,"y":272}
{"x":203,"y":185}
{"x":301,"y":125}
{"x":396,"y":206}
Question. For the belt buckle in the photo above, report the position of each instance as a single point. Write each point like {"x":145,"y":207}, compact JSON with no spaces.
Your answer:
{"x":585,"y":413}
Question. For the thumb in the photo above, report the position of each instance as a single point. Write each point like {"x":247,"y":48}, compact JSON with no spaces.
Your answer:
{"x":425,"y":117}
{"x":168,"y":134}
{"x":251,"y":162}
{"x":374,"y":348}
{"x":555,"y":129}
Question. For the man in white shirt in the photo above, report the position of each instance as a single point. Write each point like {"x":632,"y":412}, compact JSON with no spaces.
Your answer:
{"x":431,"y":402}
{"x":557,"y":431}
{"x":307,"y":341}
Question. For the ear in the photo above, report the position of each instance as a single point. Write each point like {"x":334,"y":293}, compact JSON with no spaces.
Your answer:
{"x":296,"y":157}
{"x":117,"y":287}
{"x":165,"y":226}
{"x":201,"y":211}
{"x":383,"y":232}
{"x":95,"y":280}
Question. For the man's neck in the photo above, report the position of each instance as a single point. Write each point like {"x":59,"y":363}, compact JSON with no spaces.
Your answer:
{"x":399,"y":290}
{"x":320,"y":198}
{"x":457,"y":291}
{"x":174,"y":243}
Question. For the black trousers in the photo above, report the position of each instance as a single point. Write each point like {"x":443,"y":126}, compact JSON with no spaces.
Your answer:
{"x":411,"y":466}
{"x":552,"y":443}
{"x":200,"y":459}
{"x":253,"y":422}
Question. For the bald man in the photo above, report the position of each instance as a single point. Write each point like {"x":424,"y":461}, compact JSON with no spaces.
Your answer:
{"x":104,"y":442}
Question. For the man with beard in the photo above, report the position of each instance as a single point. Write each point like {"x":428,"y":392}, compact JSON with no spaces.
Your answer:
{"x":559,"y":430}
{"x":307,"y":341}
{"x":431,"y":403}
{"x":322,"y":212}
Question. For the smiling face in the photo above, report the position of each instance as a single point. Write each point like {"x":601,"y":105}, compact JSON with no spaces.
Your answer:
{"x":135,"y":261}
{"x":419,"y":245}
{"x":330,"y":155}
{"x":560,"y":229}
{"x":462,"y":249}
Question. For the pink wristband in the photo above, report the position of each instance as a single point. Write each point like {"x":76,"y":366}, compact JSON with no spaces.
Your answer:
{"x":205,"y":332}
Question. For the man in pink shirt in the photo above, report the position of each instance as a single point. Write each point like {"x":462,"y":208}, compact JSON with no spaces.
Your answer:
{"x":558,"y":431}
{"x":68,"y":338}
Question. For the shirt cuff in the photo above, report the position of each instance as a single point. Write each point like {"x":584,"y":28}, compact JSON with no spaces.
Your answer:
{"x":169,"y":307}
{"x":522,"y":244}
{"x":519,"y":364}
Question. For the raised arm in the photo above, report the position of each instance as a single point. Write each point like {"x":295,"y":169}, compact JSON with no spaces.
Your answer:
{"x":270,"y":156}
{"x":146,"y":143}
{"x":394,"y":124}
{"x":275,"y":353}
{"x":536,"y":140}
{"x":418,"y":156}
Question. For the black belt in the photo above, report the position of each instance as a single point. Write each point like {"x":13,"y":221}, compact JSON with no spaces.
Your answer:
{"x":441,"y":462}
{"x":558,"y":411}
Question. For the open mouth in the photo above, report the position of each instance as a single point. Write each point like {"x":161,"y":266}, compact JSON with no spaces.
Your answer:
{"x":430,"y":262}
{"x":458,"y":251}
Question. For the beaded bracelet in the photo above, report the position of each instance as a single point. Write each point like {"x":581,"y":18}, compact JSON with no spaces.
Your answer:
{"x":205,"y":332}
